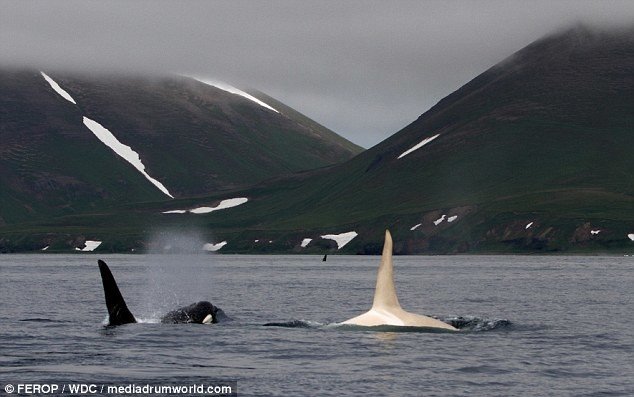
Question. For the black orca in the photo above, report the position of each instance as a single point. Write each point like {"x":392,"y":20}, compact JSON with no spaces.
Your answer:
{"x":118,"y":313}
{"x":195,"y":313}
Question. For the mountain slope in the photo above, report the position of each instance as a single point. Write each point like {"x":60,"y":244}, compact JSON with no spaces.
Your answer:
{"x":307,"y":122}
{"x":533,"y":155}
{"x":556,"y":115}
{"x":227,"y":140}
{"x":191,"y":137}
{"x":544,"y":137}
{"x":545,"y":134}
{"x":48,"y":159}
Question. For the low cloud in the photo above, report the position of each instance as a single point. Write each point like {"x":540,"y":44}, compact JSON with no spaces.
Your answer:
{"x":362,"y":68}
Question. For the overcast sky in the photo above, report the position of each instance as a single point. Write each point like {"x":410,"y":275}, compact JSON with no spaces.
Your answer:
{"x":363,"y":68}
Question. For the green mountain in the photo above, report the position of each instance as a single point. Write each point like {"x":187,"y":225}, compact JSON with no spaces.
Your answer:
{"x":533,"y":155}
{"x":545,"y":137}
{"x":193,"y":138}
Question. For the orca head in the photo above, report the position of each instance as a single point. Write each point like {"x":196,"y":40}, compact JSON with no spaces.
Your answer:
{"x":202,"y":312}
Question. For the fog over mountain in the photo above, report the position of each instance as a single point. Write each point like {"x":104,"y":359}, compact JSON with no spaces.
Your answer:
{"x":362,"y":68}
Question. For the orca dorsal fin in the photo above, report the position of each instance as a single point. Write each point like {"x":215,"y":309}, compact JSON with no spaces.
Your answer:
{"x":385,"y":292}
{"x":118,"y":312}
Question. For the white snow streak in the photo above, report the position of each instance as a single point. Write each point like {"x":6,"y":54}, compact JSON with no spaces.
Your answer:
{"x":418,"y":146}
{"x":234,"y":202}
{"x":224,"y":204}
{"x":105,"y":136}
{"x":233,"y":90}
{"x":529,"y":225}
{"x":631,"y":236}
{"x":595,"y":231}
{"x":415,"y":226}
{"x":306,"y":241}
{"x":45,"y":248}
{"x":452,"y":218}
{"x":440,"y":220}
{"x":90,"y":246}
{"x":214,"y":247}
{"x":58,"y":89}
{"x":341,"y":239}
{"x":122,"y":150}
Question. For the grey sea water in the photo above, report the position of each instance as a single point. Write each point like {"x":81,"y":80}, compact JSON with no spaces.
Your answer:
{"x":533,"y":325}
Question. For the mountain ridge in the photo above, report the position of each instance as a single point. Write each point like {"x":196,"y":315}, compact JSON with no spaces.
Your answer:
{"x":532,"y":155}
{"x":194,"y":138}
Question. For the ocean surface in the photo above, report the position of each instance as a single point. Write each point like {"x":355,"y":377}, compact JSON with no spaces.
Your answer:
{"x":531,"y":325}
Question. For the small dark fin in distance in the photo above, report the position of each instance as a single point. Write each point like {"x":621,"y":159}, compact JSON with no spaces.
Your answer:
{"x":325,"y":258}
{"x":117,"y":309}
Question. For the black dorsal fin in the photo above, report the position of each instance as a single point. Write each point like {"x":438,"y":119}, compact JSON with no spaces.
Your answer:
{"x":117,"y":309}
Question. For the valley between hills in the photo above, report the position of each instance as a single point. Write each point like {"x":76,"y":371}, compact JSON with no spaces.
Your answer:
{"x":531,"y":156}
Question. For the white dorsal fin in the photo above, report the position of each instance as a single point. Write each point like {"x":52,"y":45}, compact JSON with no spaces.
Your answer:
{"x":385,"y":293}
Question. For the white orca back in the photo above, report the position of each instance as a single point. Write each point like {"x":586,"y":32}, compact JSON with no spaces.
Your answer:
{"x":386,"y":309}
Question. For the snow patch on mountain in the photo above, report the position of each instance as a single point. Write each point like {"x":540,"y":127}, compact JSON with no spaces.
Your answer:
{"x":341,"y":239}
{"x":233,"y":90}
{"x":415,"y":226}
{"x":124,"y":151}
{"x":224,"y":204}
{"x":418,"y":146}
{"x":210,"y":247}
{"x":440,"y":220}
{"x":234,"y":202}
{"x":90,"y":246}
{"x":58,"y":89}
{"x":306,"y":241}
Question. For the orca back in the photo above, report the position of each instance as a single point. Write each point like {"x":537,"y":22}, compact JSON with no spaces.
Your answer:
{"x":118,"y":312}
{"x":195,"y":313}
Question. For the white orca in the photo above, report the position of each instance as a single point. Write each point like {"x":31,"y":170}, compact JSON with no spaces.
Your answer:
{"x":386,"y":310}
{"x":118,"y":313}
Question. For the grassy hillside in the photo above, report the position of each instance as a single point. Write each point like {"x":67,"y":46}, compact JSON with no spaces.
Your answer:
{"x":201,"y":139}
{"x":542,"y":137}
{"x":533,"y":155}
{"x":49,"y":161}
{"x":194,"y":138}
